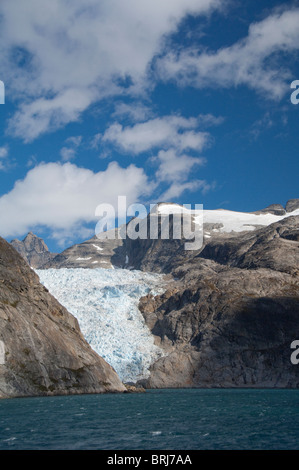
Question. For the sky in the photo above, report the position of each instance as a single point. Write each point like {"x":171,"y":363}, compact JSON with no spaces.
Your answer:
{"x":185,"y":101}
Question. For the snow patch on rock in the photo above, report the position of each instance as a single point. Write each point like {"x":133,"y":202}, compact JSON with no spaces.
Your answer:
{"x":230,"y":221}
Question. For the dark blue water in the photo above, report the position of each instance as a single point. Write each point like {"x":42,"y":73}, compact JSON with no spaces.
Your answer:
{"x":155,"y":420}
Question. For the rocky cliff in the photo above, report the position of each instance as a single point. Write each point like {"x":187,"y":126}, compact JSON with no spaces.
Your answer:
{"x":231,"y":315}
{"x":42,"y":350}
{"x":33,"y":249}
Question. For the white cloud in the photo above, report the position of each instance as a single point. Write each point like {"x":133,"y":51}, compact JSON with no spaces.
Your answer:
{"x":135,"y":111}
{"x":74,"y":140}
{"x":4,"y":157}
{"x":177,"y":189}
{"x":266,"y":122}
{"x":63,"y":197}
{"x":95,"y":141}
{"x":163,"y":132}
{"x":175,"y":168}
{"x":69,"y":152}
{"x":174,"y":136}
{"x":3,"y":152}
{"x":58,"y":57}
{"x":250,"y":61}
{"x":44,"y":115}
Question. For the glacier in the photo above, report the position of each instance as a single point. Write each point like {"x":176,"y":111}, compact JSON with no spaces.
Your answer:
{"x":105,"y":303}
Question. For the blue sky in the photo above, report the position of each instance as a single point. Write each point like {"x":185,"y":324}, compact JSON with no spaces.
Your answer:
{"x":182,"y":100}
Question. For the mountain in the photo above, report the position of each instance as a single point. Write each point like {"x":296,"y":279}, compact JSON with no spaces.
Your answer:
{"x":93,"y":253}
{"x":118,"y":251}
{"x":33,"y":249}
{"x":292,"y":205}
{"x":227,"y":234}
{"x":42,"y":349}
{"x":229,"y":310}
{"x":231,"y":315}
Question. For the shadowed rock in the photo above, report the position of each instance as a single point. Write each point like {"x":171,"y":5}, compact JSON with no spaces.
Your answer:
{"x":231,"y":315}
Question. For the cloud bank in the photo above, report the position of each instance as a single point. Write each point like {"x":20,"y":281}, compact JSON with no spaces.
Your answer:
{"x":63,"y":197}
{"x":62,"y":56}
{"x":251,"y":61}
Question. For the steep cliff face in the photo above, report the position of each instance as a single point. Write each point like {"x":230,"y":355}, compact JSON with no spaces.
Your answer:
{"x":42,"y":350}
{"x":231,"y":316}
{"x":33,"y":249}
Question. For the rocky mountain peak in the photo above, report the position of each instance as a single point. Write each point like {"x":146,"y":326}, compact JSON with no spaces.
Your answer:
{"x":34,"y":243}
{"x":125,"y":253}
{"x":33,"y":249}
{"x":276,"y":209}
{"x":292,"y":205}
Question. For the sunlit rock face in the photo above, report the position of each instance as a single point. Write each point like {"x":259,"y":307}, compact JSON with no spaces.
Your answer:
{"x":42,"y":349}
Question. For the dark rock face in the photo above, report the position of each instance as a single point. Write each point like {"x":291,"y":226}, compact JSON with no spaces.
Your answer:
{"x":33,"y":249}
{"x":232,"y":314}
{"x":292,"y":205}
{"x":42,"y":350}
{"x":276,"y":209}
{"x":226,"y":329}
{"x":274,"y":247}
{"x":152,"y":255}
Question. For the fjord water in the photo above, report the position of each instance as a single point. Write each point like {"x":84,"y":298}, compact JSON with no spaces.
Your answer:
{"x":185,"y":419}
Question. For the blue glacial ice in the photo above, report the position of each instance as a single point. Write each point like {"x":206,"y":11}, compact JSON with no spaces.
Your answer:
{"x":105,"y":302}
